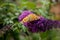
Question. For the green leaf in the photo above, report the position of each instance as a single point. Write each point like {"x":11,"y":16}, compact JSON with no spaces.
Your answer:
{"x":28,"y":5}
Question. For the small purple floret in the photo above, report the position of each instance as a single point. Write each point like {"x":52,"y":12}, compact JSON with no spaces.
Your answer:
{"x":24,"y":14}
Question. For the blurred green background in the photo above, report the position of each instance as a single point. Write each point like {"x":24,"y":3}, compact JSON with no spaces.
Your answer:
{"x":11,"y":9}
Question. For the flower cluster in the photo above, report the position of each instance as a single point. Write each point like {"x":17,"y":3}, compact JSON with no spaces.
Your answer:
{"x":41,"y":24}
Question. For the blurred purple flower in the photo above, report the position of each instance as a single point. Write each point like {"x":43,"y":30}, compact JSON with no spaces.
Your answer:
{"x":41,"y":24}
{"x":24,"y":14}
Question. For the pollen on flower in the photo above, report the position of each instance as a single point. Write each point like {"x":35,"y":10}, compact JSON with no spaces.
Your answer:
{"x":30,"y":17}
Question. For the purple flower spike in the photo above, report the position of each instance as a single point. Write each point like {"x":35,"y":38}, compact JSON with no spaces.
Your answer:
{"x":38,"y":25}
{"x":41,"y":24}
{"x":24,"y":14}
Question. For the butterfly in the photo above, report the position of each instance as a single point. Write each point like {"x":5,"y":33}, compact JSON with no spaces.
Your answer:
{"x":30,"y":17}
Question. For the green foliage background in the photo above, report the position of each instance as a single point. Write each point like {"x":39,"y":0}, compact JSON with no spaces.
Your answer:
{"x":11,"y":9}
